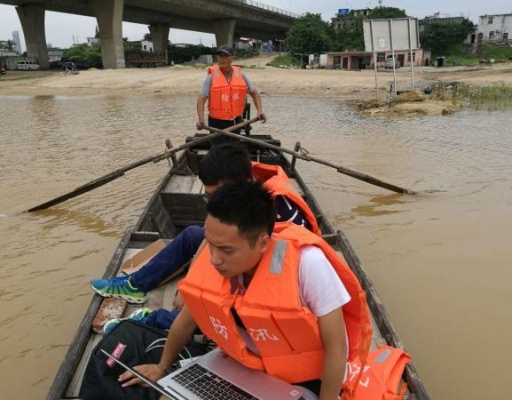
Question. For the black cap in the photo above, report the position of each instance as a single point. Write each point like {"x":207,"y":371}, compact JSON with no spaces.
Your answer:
{"x":225,"y":49}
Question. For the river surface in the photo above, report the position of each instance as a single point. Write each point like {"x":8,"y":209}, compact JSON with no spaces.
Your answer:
{"x":440,"y":260}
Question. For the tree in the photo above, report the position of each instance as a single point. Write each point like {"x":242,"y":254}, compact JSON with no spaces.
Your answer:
{"x":83,"y":55}
{"x":309,"y":34}
{"x":147,"y":36}
{"x":350,"y":36}
{"x":387,"y":12}
{"x":443,"y":38}
{"x":10,"y":45}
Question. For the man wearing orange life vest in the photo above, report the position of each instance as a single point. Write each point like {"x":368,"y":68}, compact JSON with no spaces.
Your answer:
{"x":225,"y":88}
{"x":273,"y":303}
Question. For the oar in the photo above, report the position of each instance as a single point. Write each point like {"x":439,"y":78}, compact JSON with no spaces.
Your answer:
{"x":121,"y":171}
{"x":340,"y":169}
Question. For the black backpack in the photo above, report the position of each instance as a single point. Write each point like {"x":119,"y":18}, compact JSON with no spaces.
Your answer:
{"x":134,"y":343}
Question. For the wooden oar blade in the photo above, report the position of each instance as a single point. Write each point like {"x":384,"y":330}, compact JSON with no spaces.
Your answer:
{"x":77,"y":192}
{"x":374,"y":181}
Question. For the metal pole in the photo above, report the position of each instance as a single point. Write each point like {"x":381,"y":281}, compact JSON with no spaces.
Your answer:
{"x":411,"y":53}
{"x":392,"y":55}
{"x":374,"y":62}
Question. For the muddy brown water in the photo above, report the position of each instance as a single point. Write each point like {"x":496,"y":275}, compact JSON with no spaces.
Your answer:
{"x":439,"y":260}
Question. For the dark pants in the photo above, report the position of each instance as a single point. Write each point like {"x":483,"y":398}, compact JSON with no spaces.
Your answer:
{"x":223,"y":124}
{"x":170,"y":259}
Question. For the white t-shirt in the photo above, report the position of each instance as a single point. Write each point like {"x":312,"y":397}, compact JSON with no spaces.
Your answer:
{"x":320,"y":287}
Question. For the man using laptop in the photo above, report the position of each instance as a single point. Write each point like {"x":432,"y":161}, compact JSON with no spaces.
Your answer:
{"x":281,"y":303}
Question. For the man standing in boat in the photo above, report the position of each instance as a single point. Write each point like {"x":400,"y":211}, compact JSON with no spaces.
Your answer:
{"x":225,"y":88}
{"x":224,"y":163}
{"x":276,"y":299}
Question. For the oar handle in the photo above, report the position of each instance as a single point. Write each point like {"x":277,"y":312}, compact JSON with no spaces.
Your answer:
{"x":340,"y":169}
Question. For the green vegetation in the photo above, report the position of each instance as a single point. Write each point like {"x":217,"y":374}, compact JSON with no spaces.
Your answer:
{"x":83,"y":55}
{"x":179,"y":55}
{"x":499,"y":52}
{"x":462,"y":60}
{"x":494,"y":97}
{"x":489,"y":51}
{"x":248,"y":53}
{"x":445,"y":38}
{"x":387,"y":12}
{"x":285,"y":60}
{"x":350,"y":37}
{"x":309,"y":34}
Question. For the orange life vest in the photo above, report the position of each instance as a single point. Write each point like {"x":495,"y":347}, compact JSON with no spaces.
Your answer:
{"x":227,"y":99}
{"x":285,"y":333}
{"x":278,"y":183}
{"x":381,"y":378}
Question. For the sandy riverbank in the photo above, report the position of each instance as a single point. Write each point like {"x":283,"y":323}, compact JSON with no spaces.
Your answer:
{"x":180,"y":80}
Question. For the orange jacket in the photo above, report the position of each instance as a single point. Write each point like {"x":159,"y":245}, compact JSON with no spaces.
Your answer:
{"x":381,"y":378}
{"x":227,"y":99}
{"x":278,"y":183}
{"x":285,"y":332}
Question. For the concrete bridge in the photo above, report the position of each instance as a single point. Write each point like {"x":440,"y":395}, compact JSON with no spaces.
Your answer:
{"x":227,"y":19}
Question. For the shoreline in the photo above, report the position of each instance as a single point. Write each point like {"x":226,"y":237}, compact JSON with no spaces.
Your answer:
{"x":270,"y":81}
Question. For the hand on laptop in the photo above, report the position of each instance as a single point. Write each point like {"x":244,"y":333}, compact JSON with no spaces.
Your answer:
{"x":151,"y":371}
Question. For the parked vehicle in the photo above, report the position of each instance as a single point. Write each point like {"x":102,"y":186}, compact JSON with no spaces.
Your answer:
{"x":389,"y":64}
{"x":27,"y":65}
{"x":2,"y":70}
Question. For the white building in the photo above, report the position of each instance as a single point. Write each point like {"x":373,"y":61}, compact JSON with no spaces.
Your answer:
{"x":146,"y":45}
{"x":495,"y":28}
{"x":55,"y":55}
{"x":17,"y":41}
{"x":93,"y":41}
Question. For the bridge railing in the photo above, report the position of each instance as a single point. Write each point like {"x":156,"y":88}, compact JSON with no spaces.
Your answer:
{"x":267,"y":7}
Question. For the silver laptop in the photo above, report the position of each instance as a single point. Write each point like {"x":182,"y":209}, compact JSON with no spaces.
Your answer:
{"x":217,"y":376}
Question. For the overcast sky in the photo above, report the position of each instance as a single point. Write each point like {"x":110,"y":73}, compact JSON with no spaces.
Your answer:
{"x":62,"y":30}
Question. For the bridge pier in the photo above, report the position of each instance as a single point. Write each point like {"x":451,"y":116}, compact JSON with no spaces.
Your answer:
{"x":160,"y":36}
{"x":109,"y":14}
{"x":32,"y":21}
{"x":224,"y":31}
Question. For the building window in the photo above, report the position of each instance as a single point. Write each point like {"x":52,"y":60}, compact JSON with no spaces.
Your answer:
{"x":409,"y":57}
{"x":381,"y":57}
{"x":489,"y":21}
{"x":491,"y":35}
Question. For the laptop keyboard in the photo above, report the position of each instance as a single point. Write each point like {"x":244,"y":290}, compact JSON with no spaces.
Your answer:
{"x":207,"y":385}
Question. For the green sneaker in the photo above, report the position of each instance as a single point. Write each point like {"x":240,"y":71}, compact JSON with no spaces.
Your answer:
{"x":119,"y":287}
{"x":138,"y":315}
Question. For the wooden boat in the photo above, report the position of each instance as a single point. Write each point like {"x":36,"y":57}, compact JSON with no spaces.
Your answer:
{"x":178,"y":202}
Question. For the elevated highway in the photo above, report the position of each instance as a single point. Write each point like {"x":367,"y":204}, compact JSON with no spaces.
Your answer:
{"x":227,"y":19}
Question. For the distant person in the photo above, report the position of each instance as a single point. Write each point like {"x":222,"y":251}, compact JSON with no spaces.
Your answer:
{"x":225,"y":88}
{"x":278,"y":300}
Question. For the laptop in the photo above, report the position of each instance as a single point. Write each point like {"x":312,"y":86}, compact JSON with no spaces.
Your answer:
{"x":217,"y":376}
{"x":143,"y":378}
